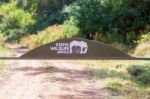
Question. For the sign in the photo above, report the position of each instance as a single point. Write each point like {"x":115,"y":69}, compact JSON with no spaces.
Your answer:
{"x":73,"y":47}
{"x":76,"y":49}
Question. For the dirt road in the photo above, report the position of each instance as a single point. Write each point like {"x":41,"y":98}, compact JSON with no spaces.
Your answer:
{"x":57,"y":79}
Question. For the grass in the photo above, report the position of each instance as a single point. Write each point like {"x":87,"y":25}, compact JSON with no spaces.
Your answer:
{"x":114,"y":85}
{"x":48,"y":35}
{"x":2,"y":67}
{"x":4,"y":52}
{"x":140,"y":73}
{"x":102,"y":73}
{"x":143,"y":50}
{"x":114,"y":77}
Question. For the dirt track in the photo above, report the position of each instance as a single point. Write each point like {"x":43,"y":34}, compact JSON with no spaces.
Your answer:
{"x":57,"y":79}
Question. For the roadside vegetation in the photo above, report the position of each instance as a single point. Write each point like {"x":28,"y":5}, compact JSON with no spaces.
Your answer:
{"x":143,"y":47}
{"x":4,"y":52}
{"x":124,"y":24}
{"x":108,"y":21}
{"x":123,"y":79}
{"x":2,"y":67}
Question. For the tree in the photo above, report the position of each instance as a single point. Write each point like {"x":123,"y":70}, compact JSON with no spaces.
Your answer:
{"x":125,"y":18}
{"x":14,"y":22}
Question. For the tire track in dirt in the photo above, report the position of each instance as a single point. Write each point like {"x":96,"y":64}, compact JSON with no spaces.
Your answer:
{"x":73,"y":82}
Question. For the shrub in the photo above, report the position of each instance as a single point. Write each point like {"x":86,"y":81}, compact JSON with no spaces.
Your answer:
{"x":125,"y":18}
{"x":48,"y":35}
{"x":145,"y":38}
{"x":140,"y":73}
{"x":145,"y":78}
{"x":70,"y":28}
{"x":143,"y":48}
{"x":88,"y":14}
{"x":2,"y":40}
{"x":136,"y":70}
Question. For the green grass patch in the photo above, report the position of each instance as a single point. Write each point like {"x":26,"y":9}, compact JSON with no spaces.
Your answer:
{"x":101,"y":73}
{"x":140,"y":73}
{"x":114,"y":85}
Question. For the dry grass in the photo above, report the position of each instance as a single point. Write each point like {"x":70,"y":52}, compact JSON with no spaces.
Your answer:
{"x":50,"y":34}
{"x":4,"y":52}
{"x":2,"y":66}
{"x":142,"y":49}
{"x":114,"y":78}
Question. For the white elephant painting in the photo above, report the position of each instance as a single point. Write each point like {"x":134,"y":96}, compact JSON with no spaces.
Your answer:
{"x":78,"y":47}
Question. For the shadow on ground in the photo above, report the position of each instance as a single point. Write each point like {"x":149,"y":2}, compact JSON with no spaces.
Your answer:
{"x":84,"y":86}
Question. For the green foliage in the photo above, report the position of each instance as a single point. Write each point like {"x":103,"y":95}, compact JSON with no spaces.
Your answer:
{"x":144,"y":38}
{"x":114,"y":85}
{"x":46,"y":12}
{"x":114,"y":20}
{"x":145,"y":78}
{"x":2,"y":40}
{"x":4,"y":1}
{"x":70,"y":28}
{"x":136,"y":70}
{"x":101,"y":73}
{"x":14,"y":21}
{"x":48,"y":35}
{"x":143,"y":47}
{"x":87,"y":14}
{"x":140,"y":73}
{"x":115,"y":17}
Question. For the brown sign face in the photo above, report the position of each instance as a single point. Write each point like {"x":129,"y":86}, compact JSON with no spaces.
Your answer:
{"x":75,"y":49}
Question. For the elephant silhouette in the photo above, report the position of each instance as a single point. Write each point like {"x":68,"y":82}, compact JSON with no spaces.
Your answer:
{"x":78,"y":47}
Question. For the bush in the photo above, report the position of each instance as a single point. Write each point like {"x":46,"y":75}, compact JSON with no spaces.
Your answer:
{"x":143,"y":47}
{"x":145,"y":78}
{"x":88,"y":14}
{"x":140,"y":73}
{"x":46,"y":36}
{"x":125,"y":18}
{"x":70,"y":28}
{"x":14,"y":22}
{"x":2,"y":40}
{"x":136,"y":70}
{"x":145,"y":38}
